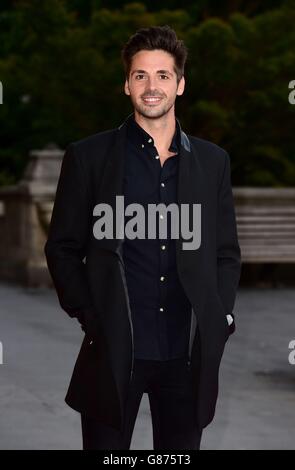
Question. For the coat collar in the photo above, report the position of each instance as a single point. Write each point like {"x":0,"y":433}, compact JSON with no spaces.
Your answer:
{"x":141,"y":138}
{"x":184,"y":141}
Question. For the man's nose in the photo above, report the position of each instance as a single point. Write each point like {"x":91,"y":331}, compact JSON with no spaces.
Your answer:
{"x":152,"y":83}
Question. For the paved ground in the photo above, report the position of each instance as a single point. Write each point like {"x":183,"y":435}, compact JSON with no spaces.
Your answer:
{"x":256,"y":406}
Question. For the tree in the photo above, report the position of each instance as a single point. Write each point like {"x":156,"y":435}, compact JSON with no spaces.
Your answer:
{"x":63,"y":79}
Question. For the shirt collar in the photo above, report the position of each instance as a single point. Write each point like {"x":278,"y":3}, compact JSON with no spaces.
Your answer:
{"x":141,"y":138}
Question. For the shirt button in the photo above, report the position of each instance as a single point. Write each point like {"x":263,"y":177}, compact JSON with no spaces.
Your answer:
{"x":163,"y":247}
{"x":161,"y":309}
{"x":142,"y":145}
{"x":150,"y":140}
{"x":157,"y":156}
{"x":162,"y":278}
{"x":163,"y":185}
{"x":161,"y":216}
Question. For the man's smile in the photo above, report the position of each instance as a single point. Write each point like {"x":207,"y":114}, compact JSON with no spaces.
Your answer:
{"x":152,"y":100}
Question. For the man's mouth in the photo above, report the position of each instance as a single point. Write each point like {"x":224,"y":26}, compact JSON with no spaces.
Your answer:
{"x":152,"y":99}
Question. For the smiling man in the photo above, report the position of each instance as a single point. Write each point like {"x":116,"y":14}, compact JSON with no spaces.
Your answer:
{"x":156,"y":316}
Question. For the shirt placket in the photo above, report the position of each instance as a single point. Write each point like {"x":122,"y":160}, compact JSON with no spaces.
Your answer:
{"x":163,"y":245}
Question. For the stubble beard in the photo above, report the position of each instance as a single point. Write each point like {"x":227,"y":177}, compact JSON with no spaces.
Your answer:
{"x":151,"y":112}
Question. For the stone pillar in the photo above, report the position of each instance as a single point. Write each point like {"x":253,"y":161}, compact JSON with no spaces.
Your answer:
{"x":25,"y":211}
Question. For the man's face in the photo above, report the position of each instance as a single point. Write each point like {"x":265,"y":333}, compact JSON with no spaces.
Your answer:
{"x":152,"y":83}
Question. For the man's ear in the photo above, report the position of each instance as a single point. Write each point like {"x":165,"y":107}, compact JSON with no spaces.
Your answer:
{"x":126,"y":87}
{"x":181,"y":86}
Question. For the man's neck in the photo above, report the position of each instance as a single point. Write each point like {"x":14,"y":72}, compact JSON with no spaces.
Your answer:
{"x":162,"y":130}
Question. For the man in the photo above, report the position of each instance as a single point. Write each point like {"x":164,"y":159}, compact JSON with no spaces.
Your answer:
{"x":156,"y":315}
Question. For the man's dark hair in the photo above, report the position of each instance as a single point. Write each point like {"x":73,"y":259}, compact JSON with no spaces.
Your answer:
{"x":156,"y":37}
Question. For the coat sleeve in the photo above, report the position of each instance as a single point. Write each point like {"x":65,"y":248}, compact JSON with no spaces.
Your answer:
{"x":69,"y":230}
{"x":228,"y":249}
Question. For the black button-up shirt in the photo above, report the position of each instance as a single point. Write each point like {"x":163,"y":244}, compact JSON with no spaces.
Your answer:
{"x":161,"y":312}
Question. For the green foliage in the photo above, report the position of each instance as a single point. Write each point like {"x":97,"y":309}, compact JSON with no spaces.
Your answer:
{"x":63,"y":79}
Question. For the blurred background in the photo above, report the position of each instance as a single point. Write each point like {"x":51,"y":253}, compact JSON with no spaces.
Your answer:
{"x":61,"y":79}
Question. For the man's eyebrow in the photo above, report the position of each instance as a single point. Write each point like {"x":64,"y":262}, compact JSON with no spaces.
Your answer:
{"x":158,"y":71}
{"x":138,"y":71}
{"x":164,"y":71}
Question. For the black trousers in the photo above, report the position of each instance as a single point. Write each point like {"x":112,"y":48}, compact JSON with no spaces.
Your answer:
{"x":169,"y":388}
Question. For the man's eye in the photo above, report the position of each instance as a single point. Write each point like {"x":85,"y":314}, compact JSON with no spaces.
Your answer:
{"x":140,"y":76}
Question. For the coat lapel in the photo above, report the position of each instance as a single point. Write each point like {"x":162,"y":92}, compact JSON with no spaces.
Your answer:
{"x":190,"y":191}
{"x":112,"y":182}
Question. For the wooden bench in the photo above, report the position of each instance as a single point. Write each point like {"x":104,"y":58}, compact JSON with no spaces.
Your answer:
{"x":266,"y":224}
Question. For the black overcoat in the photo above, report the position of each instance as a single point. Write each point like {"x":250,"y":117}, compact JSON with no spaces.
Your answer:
{"x":88,"y":273}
